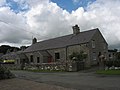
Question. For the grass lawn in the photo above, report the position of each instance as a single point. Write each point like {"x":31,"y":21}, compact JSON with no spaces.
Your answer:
{"x":108,"y":72}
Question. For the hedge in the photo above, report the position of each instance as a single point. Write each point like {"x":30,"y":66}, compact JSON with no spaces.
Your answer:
{"x":115,"y":63}
{"x":5,"y":73}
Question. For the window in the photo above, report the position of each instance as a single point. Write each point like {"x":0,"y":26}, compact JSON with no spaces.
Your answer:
{"x":93,"y":43}
{"x":99,"y":54}
{"x":104,"y":46}
{"x":105,"y":55}
{"x":31,"y":58}
{"x":94,"y":56}
{"x":109,"y":55}
{"x":38,"y":59}
{"x":57,"y":55}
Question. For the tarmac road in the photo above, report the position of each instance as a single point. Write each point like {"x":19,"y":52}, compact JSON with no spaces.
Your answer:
{"x":75,"y":80}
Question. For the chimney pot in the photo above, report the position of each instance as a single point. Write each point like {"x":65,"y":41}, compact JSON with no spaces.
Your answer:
{"x":34,"y":41}
{"x":76,"y":29}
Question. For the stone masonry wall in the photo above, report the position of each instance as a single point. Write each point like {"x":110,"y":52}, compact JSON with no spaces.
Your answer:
{"x":78,"y":48}
{"x":35,"y":55}
{"x":100,"y":46}
{"x":61,"y":51}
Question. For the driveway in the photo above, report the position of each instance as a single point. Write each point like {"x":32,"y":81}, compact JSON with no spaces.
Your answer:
{"x":75,"y":80}
{"x":20,"y":84}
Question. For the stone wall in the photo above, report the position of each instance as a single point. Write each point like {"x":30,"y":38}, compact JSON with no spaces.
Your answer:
{"x":46,"y":66}
{"x":12,"y":66}
{"x":64,"y":54}
{"x":35,"y":55}
{"x":61,"y":51}
{"x":100,"y":46}
{"x":78,"y":48}
{"x":52,"y":52}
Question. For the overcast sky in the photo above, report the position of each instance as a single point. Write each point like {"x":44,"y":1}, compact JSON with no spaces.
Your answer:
{"x":21,"y":20}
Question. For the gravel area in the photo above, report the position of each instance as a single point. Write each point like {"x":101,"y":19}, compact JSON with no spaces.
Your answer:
{"x":20,"y":84}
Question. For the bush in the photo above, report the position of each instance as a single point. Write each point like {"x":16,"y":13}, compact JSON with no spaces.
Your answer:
{"x":5,"y":73}
{"x":115,"y":63}
{"x":109,"y":63}
{"x":78,"y":56}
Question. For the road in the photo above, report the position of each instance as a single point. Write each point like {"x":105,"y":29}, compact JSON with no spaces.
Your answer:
{"x":75,"y":80}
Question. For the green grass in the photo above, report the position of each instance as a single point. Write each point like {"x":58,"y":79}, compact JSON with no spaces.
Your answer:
{"x":108,"y":72}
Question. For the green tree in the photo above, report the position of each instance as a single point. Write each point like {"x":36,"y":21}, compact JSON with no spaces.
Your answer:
{"x":118,"y":55}
{"x":78,"y":56}
{"x":5,"y":48}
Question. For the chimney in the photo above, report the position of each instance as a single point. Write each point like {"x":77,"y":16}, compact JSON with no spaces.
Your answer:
{"x":76,"y":29}
{"x":34,"y":41}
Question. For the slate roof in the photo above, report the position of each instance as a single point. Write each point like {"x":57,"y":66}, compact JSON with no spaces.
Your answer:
{"x":63,"y":41}
{"x":13,"y":55}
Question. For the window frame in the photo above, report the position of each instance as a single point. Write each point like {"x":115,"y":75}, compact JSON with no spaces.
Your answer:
{"x":31,"y":58}
{"x":94,"y":57}
{"x":38,"y":59}
{"x":57,"y":55}
{"x":93,"y":43}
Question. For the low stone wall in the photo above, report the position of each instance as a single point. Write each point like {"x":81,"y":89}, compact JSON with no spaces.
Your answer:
{"x":67,"y":66}
{"x":55,"y":66}
{"x":46,"y":66}
{"x":12,"y":66}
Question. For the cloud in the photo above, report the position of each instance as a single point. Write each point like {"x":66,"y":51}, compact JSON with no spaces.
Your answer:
{"x":76,"y":1}
{"x":104,"y":15}
{"x":46,"y":19}
{"x":17,"y":5}
{"x":2,"y":2}
{"x":12,"y":26}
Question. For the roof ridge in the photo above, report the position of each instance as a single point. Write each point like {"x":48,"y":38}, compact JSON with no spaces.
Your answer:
{"x":67,"y":35}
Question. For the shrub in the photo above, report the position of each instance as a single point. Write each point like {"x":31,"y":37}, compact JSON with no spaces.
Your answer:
{"x":116,"y":63}
{"x":5,"y":73}
{"x":78,"y":56}
{"x":111,"y":63}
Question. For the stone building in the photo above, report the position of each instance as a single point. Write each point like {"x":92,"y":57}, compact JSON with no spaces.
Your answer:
{"x":112,"y":54}
{"x":18,"y":57}
{"x":58,"y":49}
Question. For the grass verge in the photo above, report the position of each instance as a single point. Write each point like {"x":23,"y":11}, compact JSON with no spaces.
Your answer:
{"x":108,"y":72}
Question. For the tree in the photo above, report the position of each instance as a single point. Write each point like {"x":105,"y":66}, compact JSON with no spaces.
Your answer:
{"x":118,"y":55}
{"x":5,"y":48}
{"x":78,"y":56}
